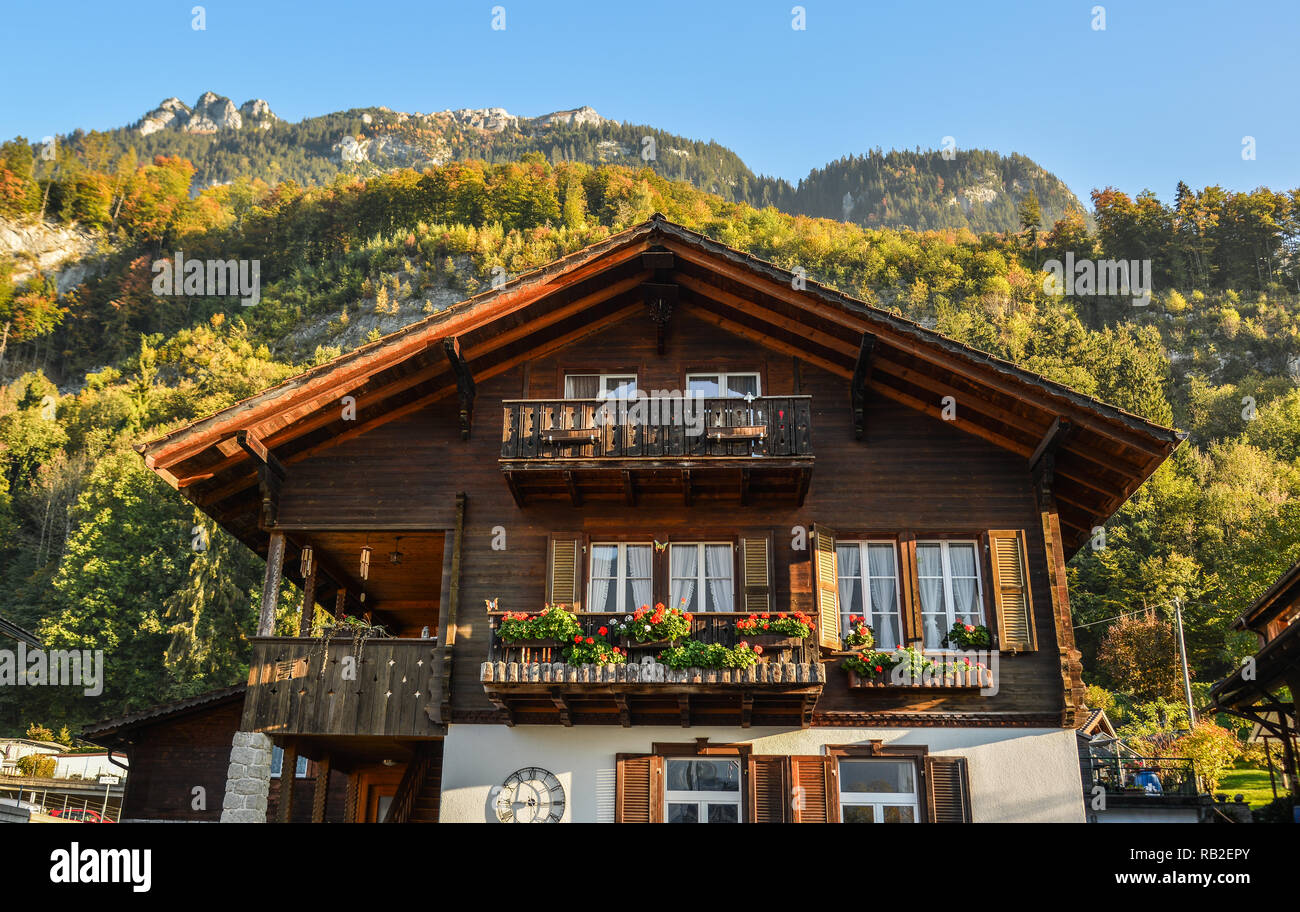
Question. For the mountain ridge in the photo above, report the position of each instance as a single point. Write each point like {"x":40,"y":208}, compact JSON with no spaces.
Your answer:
{"x":976,"y":189}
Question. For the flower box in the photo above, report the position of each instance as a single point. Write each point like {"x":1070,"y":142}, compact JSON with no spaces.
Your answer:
{"x":774,"y":640}
{"x":531,"y":644}
{"x":631,"y":643}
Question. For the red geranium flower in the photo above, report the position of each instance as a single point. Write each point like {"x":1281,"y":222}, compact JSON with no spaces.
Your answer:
{"x":758,"y":650}
{"x":590,"y":641}
{"x":879,"y":669}
{"x":578,"y":638}
{"x":602,"y":630}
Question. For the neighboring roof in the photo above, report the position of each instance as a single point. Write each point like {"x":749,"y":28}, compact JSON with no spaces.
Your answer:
{"x":1101,"y":460}
{"x":1274,"y":661}
{"x":1279,"y":596}
{"x":19,"y":633}
{"x":53,"y":745}
{"x":1096,"y":722}
{"x":110,"y":728}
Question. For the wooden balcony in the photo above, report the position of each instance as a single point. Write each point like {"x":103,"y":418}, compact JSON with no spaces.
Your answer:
{"x":532,"y":684}
{"x":731,"y":450}
{"x":296,"y":686}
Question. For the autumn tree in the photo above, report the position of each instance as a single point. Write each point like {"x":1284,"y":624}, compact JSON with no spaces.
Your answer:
{"x":1140,"y":655}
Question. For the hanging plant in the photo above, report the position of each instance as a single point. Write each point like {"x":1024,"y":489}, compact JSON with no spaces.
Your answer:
{"x":358,"y":629}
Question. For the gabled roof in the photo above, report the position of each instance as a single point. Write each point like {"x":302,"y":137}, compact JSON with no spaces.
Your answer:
{"x":1102,"y":453}
{"x":109,"y":730}
{"x":1278,"y":597}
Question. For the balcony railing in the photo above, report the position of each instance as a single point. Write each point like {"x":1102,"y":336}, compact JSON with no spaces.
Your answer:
{"x":299,"y":686}
{"x":689,"y":428}
{"x":1149,"y":776}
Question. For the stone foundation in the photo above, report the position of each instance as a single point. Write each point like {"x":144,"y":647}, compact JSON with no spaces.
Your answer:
{"x":248,"y":780}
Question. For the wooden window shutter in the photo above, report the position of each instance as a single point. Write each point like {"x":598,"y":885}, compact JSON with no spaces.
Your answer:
{"x":565,"y":574}
{"x":1011,"y":596}
{"x":948,"y":789}
{"x":756,"y":567}
{"x":767,"y":790}
{"x":826,"y":587}
{"x":639,"y":784}
{"x":815,"y":792}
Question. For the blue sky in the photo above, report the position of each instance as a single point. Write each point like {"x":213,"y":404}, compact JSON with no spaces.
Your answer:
{"x":1166,"y":92}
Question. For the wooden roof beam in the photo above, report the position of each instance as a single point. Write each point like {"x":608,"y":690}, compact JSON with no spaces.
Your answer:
{"x":465,"y":388}
{"x":860,"y":385}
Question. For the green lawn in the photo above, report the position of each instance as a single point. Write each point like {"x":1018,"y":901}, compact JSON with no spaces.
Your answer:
{"x":1247,"y":781}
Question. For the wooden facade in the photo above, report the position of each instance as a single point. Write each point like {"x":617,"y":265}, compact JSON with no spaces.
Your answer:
{"x":464,"y":451}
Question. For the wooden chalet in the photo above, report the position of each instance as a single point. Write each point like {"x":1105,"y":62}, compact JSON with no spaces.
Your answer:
{"x":654,"y":418}
{"x":1266,"y":689}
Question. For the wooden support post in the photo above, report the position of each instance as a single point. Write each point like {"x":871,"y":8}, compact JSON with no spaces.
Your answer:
{"x":271,"y":474}
{"x":288,"y":773}
{"x":575,"y":496}
{"x":687,"y":493}
{"x":629,"y":488}
{"x":271,"y":584}
{"x":308,"y":600}
{"x":861,"y":384}
{"x":320,"y":793}
{"x":340,"y":602}
{"x":1070,"y":658}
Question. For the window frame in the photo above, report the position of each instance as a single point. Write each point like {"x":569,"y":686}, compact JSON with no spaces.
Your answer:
{"x":277,"y":764}
{"x":601,"y":377}
{"x":863,"y":542}
{"x":702,"y":799}
{"x":621,"y":570}
{"x":722,"y":374}
{"x":701,"y":749}
{"x":878,"y":750}
{"x":702,"y":579}
{"x":944,"y":542}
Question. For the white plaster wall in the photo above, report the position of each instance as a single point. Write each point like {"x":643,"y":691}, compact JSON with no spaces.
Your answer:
{"x":1016,"y":775}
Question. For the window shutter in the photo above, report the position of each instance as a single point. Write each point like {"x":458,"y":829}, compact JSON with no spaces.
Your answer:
{"x":640,"y":789}
{"x":1011,"y":591}
{"x":565,"y":576}
{"x":949,"y":789}
{"x":826,"y":587}
{"x":756,"y":565}
{"x":815,"y":793}
{"x":767,"y":790}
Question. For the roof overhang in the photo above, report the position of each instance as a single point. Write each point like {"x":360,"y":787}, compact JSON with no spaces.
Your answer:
{"x":1102,"y":454}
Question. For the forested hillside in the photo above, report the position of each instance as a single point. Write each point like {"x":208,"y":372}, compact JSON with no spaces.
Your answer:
{"x":974,"y":189}
{"x":95,"y":551}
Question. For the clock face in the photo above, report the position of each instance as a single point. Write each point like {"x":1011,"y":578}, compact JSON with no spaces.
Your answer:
{"x":531,"y":795}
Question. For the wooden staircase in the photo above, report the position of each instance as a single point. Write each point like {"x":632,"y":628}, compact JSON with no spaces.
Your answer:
{"x":420,"y":791}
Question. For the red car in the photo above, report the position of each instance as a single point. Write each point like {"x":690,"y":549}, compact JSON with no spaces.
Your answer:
{"x":86,"y":816}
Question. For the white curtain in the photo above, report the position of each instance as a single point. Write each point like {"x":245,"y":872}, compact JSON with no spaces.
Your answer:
{"x":929,"y":563}
{"x":849,"y":561}
{"x":639,"y":588}
{"x":742,"y":385}
{"x":961,"y":559}
{"x":685,"y":571}
{"x":582,"y":386}
{"x":884,"y":595}
{"x":604,"y":573}
{"x":717,"y":565}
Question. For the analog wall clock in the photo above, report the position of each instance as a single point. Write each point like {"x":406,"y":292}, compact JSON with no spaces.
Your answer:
{"x":530,"y":795}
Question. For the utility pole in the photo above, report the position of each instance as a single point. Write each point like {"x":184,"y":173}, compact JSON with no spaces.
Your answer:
{"x":1182,"y":652}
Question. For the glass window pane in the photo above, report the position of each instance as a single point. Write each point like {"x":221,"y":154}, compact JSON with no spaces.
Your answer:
{"x":703,"y":775}
{"x":639,"y":576}
{"x":683,"y":813}
{"x":581,"y":386}
{"x":742,"y":385}
{"x":703,"y":385}
{"x":890,"y":776}
{"x":857,"y":813}
{"x":621,"y":387}
{"x":724,"y":813}
{"x":684,"y":563}
{"x":717,"y":574}
{"x":897,"y":814}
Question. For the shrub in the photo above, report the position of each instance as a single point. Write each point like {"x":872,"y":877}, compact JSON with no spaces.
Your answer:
{"x":694,"y":654}
{"x":554,"y":622}
{"x":37,"y":766}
